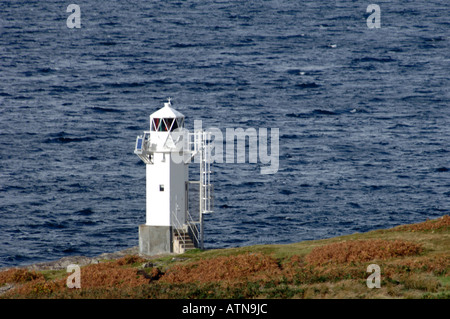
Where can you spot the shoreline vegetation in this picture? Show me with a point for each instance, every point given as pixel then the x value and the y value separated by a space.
pixel 414 262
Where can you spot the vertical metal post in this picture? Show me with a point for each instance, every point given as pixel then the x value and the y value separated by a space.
pixel 201 148
pixel 201 230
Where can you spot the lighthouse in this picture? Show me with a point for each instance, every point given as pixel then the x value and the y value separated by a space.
pixel 167 149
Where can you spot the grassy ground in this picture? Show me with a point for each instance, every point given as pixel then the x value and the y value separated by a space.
pixel 414 262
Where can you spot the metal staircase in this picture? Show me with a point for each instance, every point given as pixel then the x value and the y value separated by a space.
pixel 185 236
pixel 182 241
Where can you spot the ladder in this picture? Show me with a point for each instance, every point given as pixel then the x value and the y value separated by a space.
pixel 205 175
pixel 200 143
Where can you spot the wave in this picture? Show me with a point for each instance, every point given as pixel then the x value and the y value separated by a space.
pixel 372 59
pixel 64 140
pixel 324 112
pixel 308 85
pixel 315 112
pixel 63 137
pixel 99 109
pixel 126 84
pixel 85 212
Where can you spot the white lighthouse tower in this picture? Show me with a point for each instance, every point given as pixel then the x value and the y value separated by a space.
pixel 167 149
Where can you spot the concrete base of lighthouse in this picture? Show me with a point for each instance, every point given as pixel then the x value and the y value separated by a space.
pixel 155 240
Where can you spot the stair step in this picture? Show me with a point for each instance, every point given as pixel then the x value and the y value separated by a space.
pixel 184 240
pixel 183 237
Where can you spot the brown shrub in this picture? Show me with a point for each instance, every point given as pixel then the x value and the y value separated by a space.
pixel 110 274
pixel 441 223
pixel 438 264
pixel 292 266
pixel 129 260
pixel 105 275
pixel 37 288
pixel 295 270
pixel 17 275
pixel 231 268
pixel 361 251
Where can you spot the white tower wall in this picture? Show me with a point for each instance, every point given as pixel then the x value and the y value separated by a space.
pixel 179 176
pixel 165 190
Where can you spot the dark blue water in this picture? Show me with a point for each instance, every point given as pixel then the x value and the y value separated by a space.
pixel 363 114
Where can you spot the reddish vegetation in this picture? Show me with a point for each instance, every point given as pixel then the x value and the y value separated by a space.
pixel 361 251
pixel 16 275
pixel 129 260
pixel 116 274
pixel 441 223
pixel 232 268
pixel 109 275
pixel 438 264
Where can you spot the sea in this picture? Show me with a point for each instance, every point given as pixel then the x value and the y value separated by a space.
pixel 363 113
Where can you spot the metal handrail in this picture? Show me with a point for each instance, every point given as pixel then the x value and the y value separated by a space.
pixel 177 228
pixel 191 223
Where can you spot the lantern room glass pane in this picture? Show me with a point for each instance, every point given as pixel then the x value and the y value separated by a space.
pixel 156 125
pixel 168 122
pixel 175 125
pixel 163 125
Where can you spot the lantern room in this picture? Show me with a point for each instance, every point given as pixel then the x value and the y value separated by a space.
pixel 166 119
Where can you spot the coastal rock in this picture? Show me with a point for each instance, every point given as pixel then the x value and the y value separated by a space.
pixel 63 263
pixel 119 254
pixel 78 260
